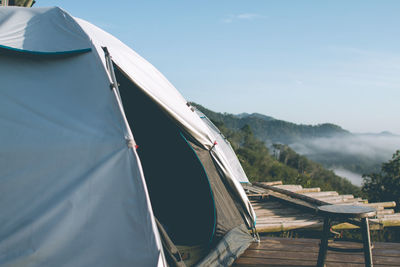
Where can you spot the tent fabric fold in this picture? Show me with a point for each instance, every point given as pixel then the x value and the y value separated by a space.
pixel 68 181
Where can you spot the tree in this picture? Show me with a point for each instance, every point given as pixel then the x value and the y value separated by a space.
pixel 385 185
pixel 24 3
pixel 285 164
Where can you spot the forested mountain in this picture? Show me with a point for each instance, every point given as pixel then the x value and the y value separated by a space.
pixel 328 144
pixel 254 115
pixel 271 130
pixel 283 164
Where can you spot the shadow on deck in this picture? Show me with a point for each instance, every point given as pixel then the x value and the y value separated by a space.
pixel 273 251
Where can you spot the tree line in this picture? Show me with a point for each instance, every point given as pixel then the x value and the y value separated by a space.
pixel 282 164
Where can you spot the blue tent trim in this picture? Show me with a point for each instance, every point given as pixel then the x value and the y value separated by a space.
pixel 42 53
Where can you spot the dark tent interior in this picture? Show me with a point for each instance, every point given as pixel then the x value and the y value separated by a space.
pixel 179 189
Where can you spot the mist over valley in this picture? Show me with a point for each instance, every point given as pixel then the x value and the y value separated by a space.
pixel 349 155
pixel 352 155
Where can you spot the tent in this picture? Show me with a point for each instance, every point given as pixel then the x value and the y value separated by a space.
pixel 227 149
pixel 102 161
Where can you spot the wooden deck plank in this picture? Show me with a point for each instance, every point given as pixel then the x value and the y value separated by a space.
pixel 304 252
pixel 383 252
pixel 349 201
pixel 331 257
pixel 309 189
pixel 290 187
pixel 321 194
pixel 336 198
pixel 286 211
pixel 314 247
pixel 315 242
pixel 279 212
pixel 259 262
pixel 385 212
pixel 272 183
pixel 389 204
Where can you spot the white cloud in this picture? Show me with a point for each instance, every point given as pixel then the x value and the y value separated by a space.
pixel 249 16
pixel 243 16
pixel 299 82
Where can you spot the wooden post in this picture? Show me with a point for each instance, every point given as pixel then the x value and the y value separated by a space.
pixel 323 246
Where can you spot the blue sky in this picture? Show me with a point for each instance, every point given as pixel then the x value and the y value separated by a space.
pixel 306 62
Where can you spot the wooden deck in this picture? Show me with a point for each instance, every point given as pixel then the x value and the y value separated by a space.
pixel 278 210
pixel 304 252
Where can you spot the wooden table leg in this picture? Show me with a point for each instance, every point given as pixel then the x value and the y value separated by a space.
pixel 323 247
pixel 367 242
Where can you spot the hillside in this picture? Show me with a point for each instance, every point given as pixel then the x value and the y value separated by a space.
pixel 272 130
pixel 328 144
pixel 285 164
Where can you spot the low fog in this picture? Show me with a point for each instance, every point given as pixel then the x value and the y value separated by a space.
pixel 350 156
pixel 353 177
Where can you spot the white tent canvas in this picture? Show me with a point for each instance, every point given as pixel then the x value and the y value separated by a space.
pixel 72 187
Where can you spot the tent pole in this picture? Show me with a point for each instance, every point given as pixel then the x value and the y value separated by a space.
pixel 114 87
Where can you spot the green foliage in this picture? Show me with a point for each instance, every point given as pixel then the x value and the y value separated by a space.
pixel 385 185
